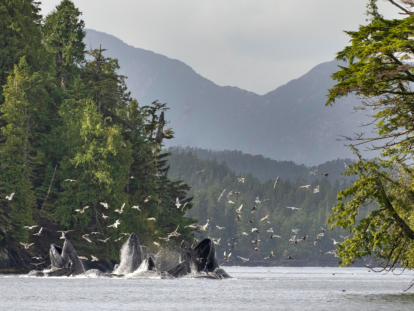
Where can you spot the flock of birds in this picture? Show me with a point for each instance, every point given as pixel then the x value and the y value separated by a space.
pixel 231 242
pixel 294 239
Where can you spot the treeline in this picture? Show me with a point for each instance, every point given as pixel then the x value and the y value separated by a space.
pixel 268 169
pixel 71 137
pixel 209 178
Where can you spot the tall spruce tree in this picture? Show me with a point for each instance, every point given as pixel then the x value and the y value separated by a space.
pixel 25 115
pixel 63 36
pixel 20 35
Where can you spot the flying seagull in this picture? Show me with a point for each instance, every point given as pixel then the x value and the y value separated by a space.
pixel 254 209
pixel 272 236
pixel 120 211
pixel 136 207
pixel 106 240
pixel 116 224
pixel 239 209
pixel 264 218
pixel 104 216
pixel 270 256
pixel 313 172
pixel 40 231
pixel 94 258
pixel 293 208
pixel 306 186
pixel 240 180
pixel 71 180
pixel 64 234
pixel 81 210
pixel 177 203
pixel 216 241
pixel 226 258
pixel 104 204
pixel 30 228
pixel 334 242
pixel 10 197
pixel 86 237
pixel 218 227
pixel 26 245
pixel 151 219
pixel 221 195
pixel 244 259
pixel 274 187
pixel 318 238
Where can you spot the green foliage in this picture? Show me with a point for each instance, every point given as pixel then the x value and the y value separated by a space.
pixel 379 71
pixel 24 114
pixel 20 35
pixel 63 37
pixel 75 120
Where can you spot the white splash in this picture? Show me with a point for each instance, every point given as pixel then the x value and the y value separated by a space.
pixel 126 260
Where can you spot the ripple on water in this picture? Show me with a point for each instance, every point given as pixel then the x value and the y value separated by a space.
pixel 251 289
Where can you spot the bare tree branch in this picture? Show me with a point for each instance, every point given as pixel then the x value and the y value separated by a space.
pixel 401 8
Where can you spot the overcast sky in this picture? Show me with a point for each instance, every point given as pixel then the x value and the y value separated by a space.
pixel 256 45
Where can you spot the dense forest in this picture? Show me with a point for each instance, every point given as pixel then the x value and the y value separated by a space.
pixel 76 151
pixel 210 178
pixel 268 169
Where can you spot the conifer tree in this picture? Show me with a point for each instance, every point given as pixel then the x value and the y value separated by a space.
pixel 63 36
pixel 20 35
pixel 19 154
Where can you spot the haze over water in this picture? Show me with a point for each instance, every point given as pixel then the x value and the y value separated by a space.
pixel 284 288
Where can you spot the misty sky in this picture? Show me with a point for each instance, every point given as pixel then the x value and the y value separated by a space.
pixel 256 45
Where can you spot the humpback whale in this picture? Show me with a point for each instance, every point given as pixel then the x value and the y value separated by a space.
pixel 63 262
pixel 70 258
pixel 206 255
pixel 180 270
pixel 55 254
pixel 202 257
pixel 198 262
pixel 130 256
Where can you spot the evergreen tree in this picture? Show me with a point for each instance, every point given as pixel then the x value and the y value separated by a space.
pixel 20 35
pixel 19 154
pixel 379 71
pixel 63 36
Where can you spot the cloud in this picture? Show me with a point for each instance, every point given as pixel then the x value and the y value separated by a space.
pixel 256 45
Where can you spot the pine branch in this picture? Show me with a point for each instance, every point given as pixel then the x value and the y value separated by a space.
pixel 400 222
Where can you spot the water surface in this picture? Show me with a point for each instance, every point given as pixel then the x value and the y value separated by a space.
pixel 278 288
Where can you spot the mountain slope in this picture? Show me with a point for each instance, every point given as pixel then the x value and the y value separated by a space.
pixel 289 123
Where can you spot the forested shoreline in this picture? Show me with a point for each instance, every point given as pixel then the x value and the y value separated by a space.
pixel 208 179
pixel 72 139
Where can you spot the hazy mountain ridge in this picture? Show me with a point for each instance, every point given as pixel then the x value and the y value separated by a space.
pixel 289 123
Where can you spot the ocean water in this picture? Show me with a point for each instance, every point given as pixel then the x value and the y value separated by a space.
pixel 278 288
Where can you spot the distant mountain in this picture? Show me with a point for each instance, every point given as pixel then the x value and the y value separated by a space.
pixel 289 123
